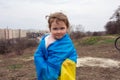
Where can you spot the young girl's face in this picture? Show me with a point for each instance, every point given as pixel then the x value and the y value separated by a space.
pixel 58 29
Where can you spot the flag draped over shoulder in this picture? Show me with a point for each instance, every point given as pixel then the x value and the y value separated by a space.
pixel 57 61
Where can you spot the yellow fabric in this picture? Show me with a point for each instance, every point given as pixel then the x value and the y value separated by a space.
pixel 68 70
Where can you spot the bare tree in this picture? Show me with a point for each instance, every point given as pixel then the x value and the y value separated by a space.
pixel 116 14
pixel 113 26
pixel 77 32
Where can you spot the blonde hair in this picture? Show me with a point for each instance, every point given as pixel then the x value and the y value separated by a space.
pixel 57 16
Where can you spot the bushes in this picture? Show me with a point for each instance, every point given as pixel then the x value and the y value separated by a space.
pixel 16 45
pixel 3 47
pixel 77 35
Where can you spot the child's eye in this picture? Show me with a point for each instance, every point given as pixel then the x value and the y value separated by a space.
pixel 62 28
pixel 55 28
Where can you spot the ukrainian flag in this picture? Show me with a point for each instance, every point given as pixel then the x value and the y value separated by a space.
pixel 58 61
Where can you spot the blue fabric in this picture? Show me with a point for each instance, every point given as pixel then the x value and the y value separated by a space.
pixel 48 61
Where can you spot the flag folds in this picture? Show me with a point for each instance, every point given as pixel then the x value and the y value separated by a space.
pixel 57 61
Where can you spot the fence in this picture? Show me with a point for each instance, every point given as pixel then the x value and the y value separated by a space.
pixel 6 34
pixel 12 34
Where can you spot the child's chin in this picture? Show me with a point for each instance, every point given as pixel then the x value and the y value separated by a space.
pixel 58 37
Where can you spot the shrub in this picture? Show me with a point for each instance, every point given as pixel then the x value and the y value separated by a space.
pixel 16 45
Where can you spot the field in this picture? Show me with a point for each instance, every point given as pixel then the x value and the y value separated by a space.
pixel 98 60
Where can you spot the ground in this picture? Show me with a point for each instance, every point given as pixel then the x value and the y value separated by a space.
pixel 21 67
pixel 96 72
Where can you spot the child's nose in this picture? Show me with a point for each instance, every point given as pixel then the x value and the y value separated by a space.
pixel 59 31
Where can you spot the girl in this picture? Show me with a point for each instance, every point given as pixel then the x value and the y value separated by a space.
pixel 55 57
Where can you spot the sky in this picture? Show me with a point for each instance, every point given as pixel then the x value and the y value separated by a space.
pixel 30 14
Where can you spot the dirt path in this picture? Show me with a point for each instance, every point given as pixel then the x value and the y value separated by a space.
pixel 88 61
pixel 99 62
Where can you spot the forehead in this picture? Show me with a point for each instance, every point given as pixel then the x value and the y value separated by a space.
pixel 58 23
